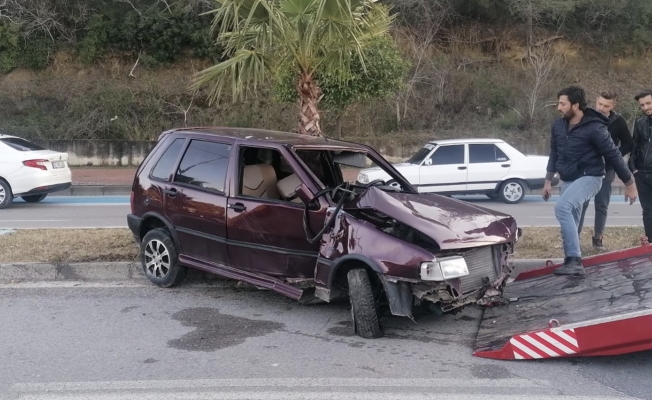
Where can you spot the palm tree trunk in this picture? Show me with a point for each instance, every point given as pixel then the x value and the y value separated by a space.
pixel 309 96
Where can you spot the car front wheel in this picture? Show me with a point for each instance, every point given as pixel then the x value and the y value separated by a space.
pixel 35 198
pixel 6 196
pixel 512 191
pixel 160 259
pixel 363 304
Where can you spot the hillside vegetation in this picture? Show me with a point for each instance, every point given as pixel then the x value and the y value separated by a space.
pixel 121 69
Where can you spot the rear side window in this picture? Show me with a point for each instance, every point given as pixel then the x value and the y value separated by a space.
pixel 485 153
pixel 166 162
pixel 21 144
pixel 204 165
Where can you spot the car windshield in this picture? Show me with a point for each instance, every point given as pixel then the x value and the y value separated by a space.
pixel 332 167
pixel 419 156
pixel 20 144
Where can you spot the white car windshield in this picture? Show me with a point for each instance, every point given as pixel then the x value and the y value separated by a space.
pixel 419 156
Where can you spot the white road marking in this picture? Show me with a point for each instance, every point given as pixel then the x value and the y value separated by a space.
pixel 278 383
pixel 287 395
pixel 71 284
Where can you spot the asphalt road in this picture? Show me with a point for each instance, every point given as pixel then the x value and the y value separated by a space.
pixel 110 211
pixel 71 340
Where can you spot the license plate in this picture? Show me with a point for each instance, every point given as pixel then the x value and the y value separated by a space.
pixel 59 164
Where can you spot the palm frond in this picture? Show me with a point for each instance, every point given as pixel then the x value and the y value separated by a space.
pixel 246 68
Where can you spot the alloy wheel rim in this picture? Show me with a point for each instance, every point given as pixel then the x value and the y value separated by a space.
pixel 513 191
pixel 157 259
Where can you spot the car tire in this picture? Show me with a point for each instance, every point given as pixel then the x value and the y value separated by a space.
pixel 6 195
pixel 512 191
pixel 160 259
pixel 363 305
pixel 35 198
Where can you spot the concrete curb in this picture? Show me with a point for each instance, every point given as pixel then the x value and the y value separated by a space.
pixel 124 271
pixel 84 272
pixel 95 190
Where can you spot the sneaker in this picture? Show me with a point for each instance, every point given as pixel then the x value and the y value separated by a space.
pixel 572 266
pixel 597 244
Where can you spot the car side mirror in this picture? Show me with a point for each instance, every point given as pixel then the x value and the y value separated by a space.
pixel 304 194
pixel 428 161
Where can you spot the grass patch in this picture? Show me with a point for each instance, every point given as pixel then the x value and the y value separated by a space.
pixel 68 246
pixel 545 242
pixel 88 245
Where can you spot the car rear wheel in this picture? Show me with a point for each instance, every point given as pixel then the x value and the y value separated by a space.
pixel 512 191
pixel 160 259
pixel 6 196
pixel 35 198
pixel 363 305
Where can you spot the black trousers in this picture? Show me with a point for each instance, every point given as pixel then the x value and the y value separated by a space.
pixel 601 201
pixel 644 186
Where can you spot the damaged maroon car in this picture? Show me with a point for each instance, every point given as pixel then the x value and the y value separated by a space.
pixel 283 212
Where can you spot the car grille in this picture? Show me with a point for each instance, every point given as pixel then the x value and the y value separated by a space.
pixel 481 264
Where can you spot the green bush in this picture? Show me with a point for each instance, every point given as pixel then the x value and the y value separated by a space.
pixel 9 46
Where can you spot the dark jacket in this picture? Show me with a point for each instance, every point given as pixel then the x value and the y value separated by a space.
pixel 641 158
pixel 620 134
pixel 580 151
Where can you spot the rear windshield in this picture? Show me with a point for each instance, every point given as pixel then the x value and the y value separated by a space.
pixel 20 144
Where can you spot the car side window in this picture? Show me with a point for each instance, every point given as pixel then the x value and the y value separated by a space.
pixel 486 153
pixel 204 165
pixel 265 173
pixel 164 165
pixel 448 155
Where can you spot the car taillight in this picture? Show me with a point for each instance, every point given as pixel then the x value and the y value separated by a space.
pixel 40 164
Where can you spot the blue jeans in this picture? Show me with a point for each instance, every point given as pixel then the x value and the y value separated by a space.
pixel 568 210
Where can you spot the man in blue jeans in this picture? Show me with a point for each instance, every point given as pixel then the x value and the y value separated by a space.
pixel 579 146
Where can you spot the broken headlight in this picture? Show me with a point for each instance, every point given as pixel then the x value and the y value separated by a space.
pixel 441 269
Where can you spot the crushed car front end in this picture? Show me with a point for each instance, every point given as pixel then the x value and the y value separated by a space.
pixel 426 250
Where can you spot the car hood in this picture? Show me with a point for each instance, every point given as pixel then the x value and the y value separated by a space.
pixel 453 224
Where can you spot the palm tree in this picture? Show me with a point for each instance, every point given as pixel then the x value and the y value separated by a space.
pixel 262 37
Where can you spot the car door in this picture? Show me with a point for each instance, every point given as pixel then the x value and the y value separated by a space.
pixel 488 165
pixel 195 200
pixel 445 171
pixel 265 222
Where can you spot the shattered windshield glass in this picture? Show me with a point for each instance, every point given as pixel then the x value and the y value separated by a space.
pixel 419 156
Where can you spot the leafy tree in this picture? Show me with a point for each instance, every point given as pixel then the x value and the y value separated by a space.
pixel 381 76
pixel 311 38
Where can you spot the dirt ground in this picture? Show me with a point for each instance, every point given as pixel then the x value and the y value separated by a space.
pixel 86 245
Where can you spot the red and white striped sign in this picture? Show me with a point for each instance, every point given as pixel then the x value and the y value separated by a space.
pixel 551 343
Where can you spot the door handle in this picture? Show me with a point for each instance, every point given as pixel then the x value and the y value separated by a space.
pixel 171 192
pixel 461 168
pixel 506 165
pixel 237 207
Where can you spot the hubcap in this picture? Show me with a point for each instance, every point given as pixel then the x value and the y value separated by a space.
pixel 513 191
pixel 3 195
pixel 157 259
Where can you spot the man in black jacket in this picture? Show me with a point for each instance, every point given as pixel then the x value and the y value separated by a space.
pixel 579 140
pixel 640 161
pixel 621 137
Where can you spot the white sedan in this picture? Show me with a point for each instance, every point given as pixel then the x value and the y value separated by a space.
pixel 474 166
pixel 29 171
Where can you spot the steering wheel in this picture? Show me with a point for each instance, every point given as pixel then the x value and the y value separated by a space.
pixel 375 182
